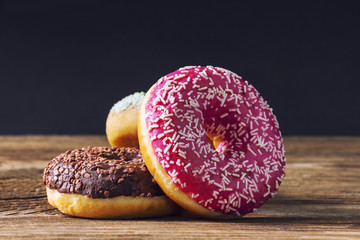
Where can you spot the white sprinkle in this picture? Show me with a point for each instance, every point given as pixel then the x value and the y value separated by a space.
pixel 169 131
pixel 250 150
pixel 172 99
pixel 236 175
pixel 174 173
pixel 202 169
pixel 164 94
pixel 211 82
pixel 182 154
pixel 218 185
pixel 228 78
pixel 151 127
pixel 164 164
pixel 197 154
pixel 165 140
pixel 194 195
pixel 168 123
pixel 167 148
pixel 179 76
pixel 160 135
pixel 267 193
pixel 242 176
pixel 175 147
pixel 251 193
pixel 215 193
pixel 223 101
pixel 267 179
pixel 224 115
pixel 243 196
pixel 186 67
pixel 187 165
pixel 227 165
pixel 161 99
pixel 166 116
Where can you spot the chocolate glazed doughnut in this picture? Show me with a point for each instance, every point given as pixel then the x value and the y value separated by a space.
pixel 103 182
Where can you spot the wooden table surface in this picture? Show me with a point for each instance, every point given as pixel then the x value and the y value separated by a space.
pixel 319 198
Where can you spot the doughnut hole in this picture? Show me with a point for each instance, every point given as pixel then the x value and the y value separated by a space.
pixel 216 142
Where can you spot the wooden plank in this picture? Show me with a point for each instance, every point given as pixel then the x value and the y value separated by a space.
pixel 320 197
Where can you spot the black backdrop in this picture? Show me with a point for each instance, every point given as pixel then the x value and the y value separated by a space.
pixel 63 64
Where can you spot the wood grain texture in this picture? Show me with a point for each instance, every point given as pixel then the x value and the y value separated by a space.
pixel 319 198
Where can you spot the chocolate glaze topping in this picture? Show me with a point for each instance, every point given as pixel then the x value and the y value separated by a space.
pixel 101 172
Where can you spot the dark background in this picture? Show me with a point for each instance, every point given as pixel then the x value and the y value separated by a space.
pixel 63 64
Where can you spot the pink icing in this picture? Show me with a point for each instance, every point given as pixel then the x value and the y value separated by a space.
pixel 247 167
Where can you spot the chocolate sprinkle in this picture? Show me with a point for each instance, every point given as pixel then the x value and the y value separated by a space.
pixel 101 172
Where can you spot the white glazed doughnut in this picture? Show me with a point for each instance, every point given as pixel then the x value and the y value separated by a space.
pixel 121 123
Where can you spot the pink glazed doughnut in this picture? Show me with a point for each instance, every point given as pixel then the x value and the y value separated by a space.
pixel 211 142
